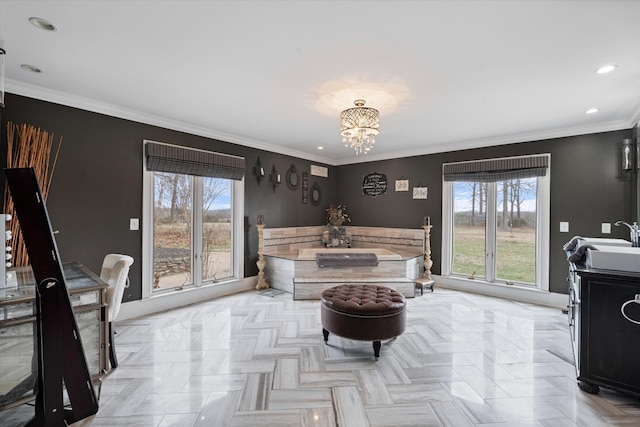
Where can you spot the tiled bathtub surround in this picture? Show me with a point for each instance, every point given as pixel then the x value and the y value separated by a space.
pixel 289 239
pixel 392 238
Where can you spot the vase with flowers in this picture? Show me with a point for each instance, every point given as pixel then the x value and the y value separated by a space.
pixel 336 216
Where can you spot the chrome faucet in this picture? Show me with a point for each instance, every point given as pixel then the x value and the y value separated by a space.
pixel 633 231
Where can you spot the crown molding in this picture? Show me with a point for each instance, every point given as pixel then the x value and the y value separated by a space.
pixel 490 142
pixel 56 97
pixel 61 98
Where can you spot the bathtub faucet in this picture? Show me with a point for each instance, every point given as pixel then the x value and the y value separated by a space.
pixel 634 232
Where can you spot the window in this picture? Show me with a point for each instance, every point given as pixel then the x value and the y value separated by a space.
pixel 191 230
pixel 496 214
pixel 194 218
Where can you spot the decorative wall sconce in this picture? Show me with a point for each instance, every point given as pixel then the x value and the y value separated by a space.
pixel 258 171
pixel 274 177
pixel 630 155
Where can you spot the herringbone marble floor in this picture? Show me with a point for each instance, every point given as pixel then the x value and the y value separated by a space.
pixel 251 360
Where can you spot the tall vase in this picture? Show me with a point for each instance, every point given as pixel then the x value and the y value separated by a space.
pixel 335 236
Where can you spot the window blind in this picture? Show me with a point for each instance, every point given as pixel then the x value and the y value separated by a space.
pixel 496 169
pixel 190 161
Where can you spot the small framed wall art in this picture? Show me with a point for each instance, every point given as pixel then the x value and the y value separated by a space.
pixel 402 185
pixel 420 192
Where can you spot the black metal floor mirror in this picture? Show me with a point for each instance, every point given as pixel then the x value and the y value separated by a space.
pixel 61 358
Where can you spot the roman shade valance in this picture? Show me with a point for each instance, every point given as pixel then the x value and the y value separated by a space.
pixel 497 169
pixel 190 161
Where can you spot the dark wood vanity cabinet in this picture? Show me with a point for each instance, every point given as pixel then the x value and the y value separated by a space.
pixel 604 317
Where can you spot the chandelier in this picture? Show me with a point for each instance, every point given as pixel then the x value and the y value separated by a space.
pixel 359 127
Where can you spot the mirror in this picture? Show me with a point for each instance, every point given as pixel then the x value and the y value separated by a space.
pixel 315 194
pixel 293 181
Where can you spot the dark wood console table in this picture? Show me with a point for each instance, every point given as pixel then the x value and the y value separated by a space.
pixel 18 366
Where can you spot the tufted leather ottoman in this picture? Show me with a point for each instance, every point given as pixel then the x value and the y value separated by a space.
pixel 363 312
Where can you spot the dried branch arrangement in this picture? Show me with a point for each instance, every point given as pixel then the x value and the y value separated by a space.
pixel 28 146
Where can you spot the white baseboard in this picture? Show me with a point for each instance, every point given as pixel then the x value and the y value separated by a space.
pixel 169 300
pixel 174 299
pixel 516 293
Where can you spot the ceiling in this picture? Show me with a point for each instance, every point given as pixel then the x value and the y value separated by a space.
pixel 445 75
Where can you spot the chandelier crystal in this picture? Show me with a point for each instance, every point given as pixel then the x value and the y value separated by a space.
pixel 359 127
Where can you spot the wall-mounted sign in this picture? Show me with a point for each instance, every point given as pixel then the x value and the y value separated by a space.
pixel 420 192
pixel 402 185
pixel 374 184
pixel 319 171
pixel 305 187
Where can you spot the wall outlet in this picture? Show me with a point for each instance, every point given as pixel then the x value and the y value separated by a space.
pixel 606 228
pixel 564 227
pixel 134 224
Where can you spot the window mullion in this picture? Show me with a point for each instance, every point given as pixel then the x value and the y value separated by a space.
pixel 196 228
pixel 490 232
pixel 447 224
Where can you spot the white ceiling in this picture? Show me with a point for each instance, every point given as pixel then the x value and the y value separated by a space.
pixel 445 75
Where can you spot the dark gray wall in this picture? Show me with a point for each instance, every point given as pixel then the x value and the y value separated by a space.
pixel 97 186
pixel 587 189
pixel 97 183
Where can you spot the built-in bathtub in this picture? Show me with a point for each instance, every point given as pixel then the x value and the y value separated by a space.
pixel 300 274
pixel 291 266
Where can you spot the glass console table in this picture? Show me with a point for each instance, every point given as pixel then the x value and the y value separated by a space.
pixel 18 364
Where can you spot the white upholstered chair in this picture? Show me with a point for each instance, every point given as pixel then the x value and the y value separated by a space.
pixel 115 271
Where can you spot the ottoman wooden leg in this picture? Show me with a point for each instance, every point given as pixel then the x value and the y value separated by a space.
pixel 326 334
pixel 376 349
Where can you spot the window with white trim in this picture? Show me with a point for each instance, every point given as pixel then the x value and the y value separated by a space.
pixel 496 216
pixel 193 208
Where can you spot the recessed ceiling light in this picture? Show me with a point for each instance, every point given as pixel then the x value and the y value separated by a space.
pixel 31 68
pixel 605 69
pixel 592 110
pixel 43 24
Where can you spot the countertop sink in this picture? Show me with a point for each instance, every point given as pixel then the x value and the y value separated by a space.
pixel 614 258
pixel 598 241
